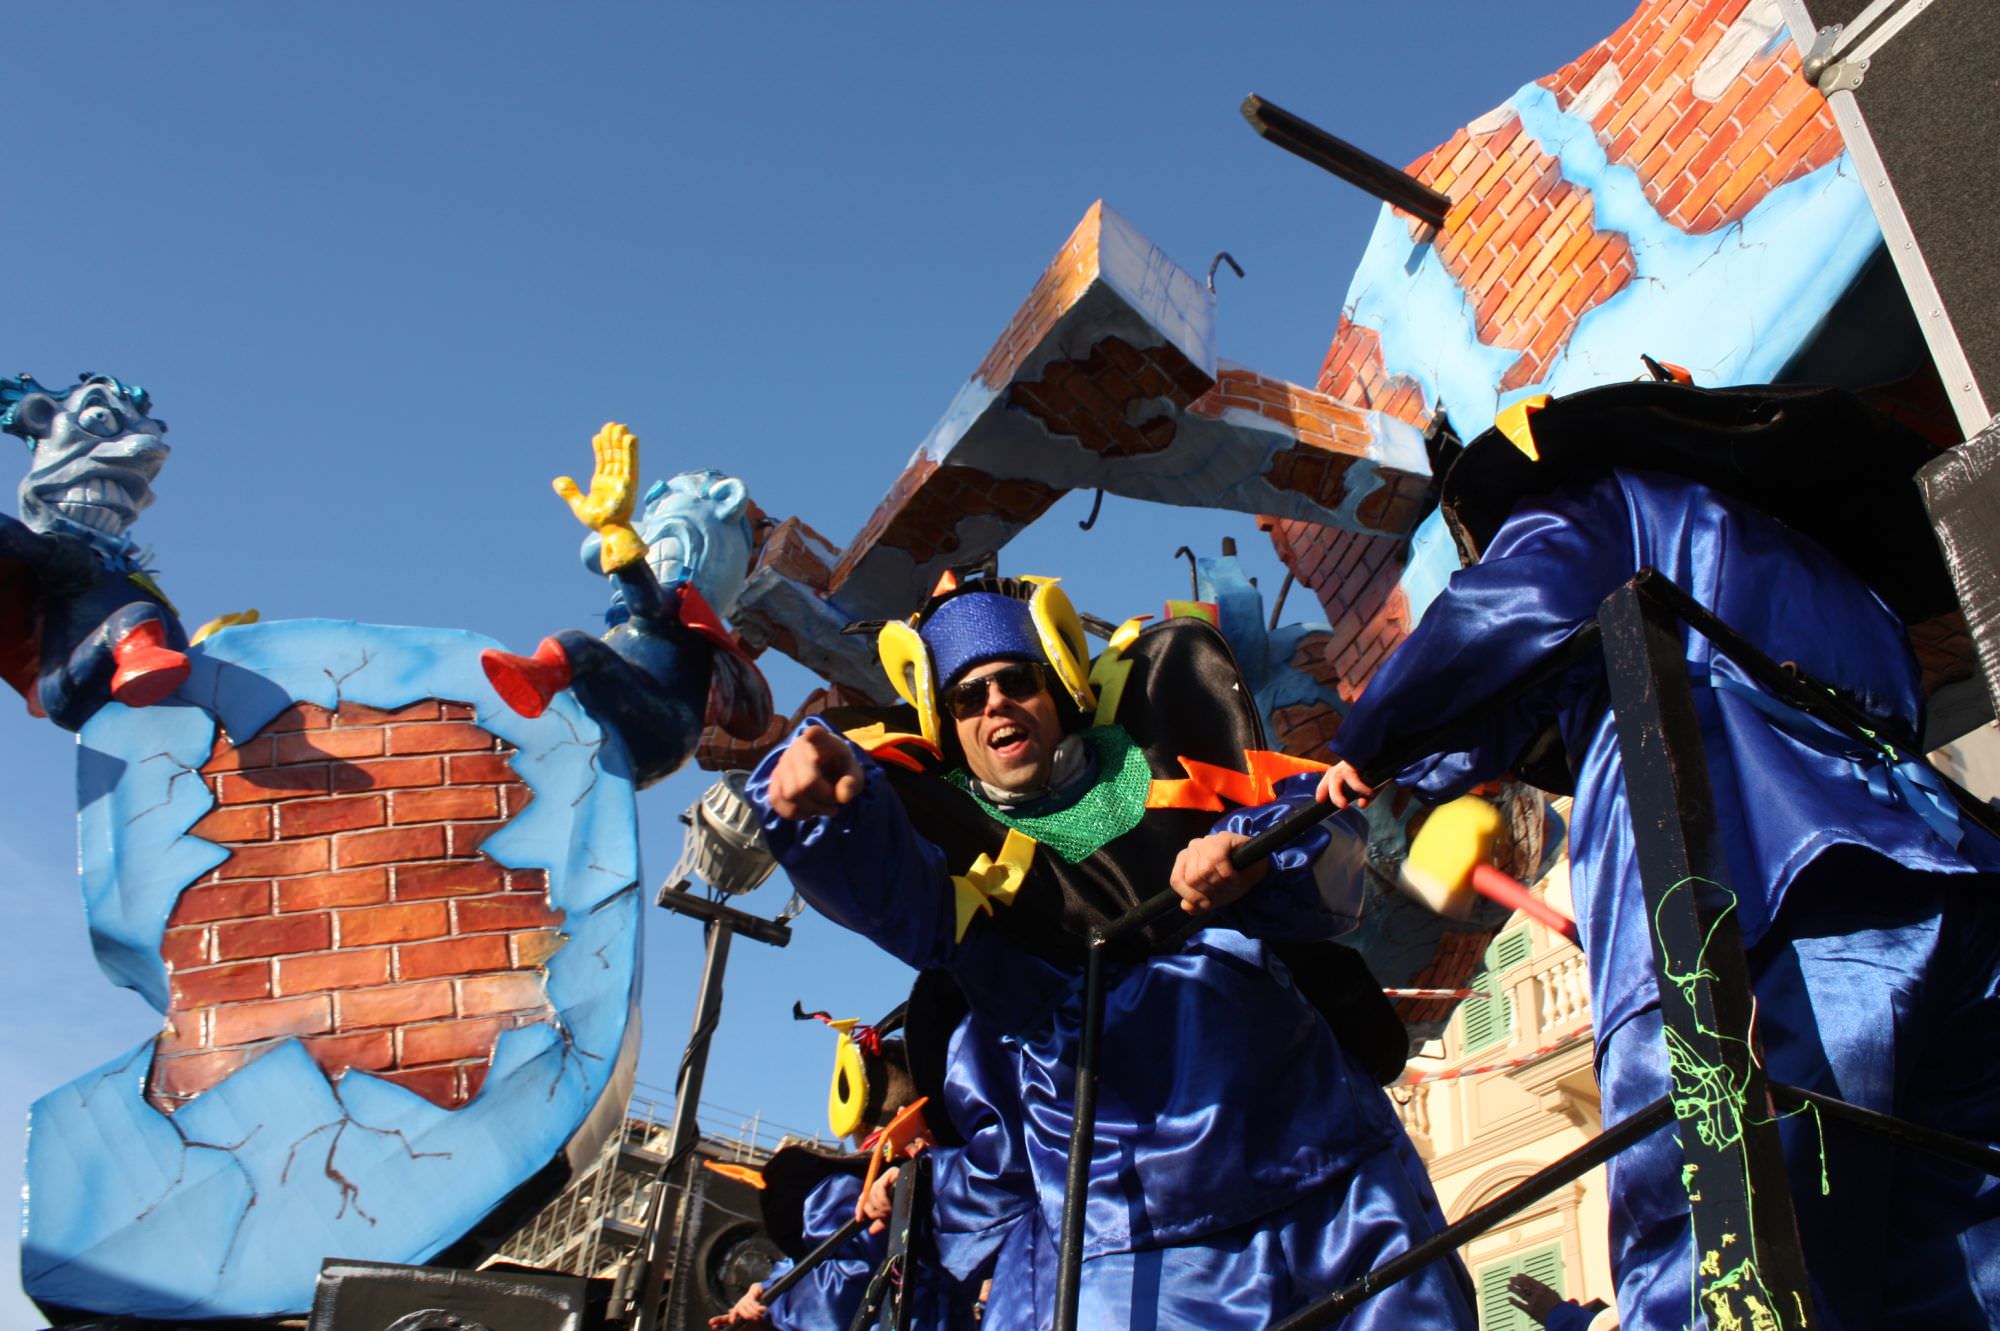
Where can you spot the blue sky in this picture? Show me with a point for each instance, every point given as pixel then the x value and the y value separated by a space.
pixel 385 267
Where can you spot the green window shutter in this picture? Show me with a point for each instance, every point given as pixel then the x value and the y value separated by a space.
pixel 1489 1019
pixel 1509 950
pixel 1496 1311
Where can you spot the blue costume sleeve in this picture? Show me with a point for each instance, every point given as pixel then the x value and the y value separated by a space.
pixel 1314 888
pixel 831 1291
pixel 1540 580
pixel 864 867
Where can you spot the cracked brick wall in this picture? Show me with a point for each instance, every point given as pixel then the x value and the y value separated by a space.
pixel 1329 435
pixel 356 912
pixel 1703 100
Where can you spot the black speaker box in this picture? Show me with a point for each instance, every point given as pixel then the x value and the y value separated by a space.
pixel 380 1296
pixel 722 1251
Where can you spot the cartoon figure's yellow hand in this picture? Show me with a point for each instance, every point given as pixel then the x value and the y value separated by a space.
pixel 607 509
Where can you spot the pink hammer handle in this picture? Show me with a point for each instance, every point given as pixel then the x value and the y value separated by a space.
pixel 1511 893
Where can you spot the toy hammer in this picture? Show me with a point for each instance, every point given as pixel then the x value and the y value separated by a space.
pixel 1451 858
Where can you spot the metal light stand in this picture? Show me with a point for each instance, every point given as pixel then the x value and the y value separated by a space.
pixel 720 923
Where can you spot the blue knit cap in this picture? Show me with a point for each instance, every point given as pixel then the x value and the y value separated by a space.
pixel 973 628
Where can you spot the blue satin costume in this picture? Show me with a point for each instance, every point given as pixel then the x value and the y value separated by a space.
pixel 826 1299
pixel 1243 1164
pixel 1871 928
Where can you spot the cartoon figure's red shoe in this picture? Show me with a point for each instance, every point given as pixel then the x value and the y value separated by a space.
pixel 527 683
pixel 148 670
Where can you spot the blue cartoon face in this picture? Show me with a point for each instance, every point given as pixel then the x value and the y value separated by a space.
pixel 697 529
pixel 97 449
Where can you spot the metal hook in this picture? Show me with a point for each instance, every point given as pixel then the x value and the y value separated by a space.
pixel 1194 573
pixel 1221 257
pixel 1095 504
pixel 1278 608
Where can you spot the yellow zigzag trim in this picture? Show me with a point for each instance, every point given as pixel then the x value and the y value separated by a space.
pixel 991 881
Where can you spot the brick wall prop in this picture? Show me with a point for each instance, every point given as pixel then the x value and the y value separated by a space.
pixel 392 929
pixel 1107 376
pixel 1677 190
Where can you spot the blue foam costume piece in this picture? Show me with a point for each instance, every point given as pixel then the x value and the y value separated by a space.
pixel 1806 822
pixel 976 627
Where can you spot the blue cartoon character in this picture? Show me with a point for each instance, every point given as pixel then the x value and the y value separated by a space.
pixel 81 620
pixel 667 666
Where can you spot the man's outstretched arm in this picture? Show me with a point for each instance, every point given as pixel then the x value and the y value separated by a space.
pixel 1309 889
pixel 1541 579
pixel 830 818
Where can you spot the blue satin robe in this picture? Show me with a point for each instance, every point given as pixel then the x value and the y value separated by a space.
pixel 826 1299
pixel 1243 1164
pixel 1795 808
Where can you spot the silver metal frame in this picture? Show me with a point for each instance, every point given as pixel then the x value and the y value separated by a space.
pixel 1837 59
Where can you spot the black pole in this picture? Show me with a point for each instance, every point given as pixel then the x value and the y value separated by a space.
pixel 1962 1150
pixel 1083 1125
pixel 1477 1221
pixel 806 1263
pixel 686 1134
pixel 1740 1203
pixel 1364 170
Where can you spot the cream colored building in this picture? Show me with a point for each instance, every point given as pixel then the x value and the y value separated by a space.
pixel 1483 1132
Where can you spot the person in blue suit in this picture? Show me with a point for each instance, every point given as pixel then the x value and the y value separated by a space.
pixel 1864 896
pixel 886 1078
pixel 1244 1162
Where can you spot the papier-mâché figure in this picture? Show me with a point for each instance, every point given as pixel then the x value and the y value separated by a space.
pixel 81 620
pixel 666 666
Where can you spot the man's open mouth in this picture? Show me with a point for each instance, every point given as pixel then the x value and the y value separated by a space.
pixel 1007 741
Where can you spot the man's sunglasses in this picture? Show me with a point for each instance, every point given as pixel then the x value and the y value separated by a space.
pixel 1020 681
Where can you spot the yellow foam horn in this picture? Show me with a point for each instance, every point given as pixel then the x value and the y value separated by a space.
pixel 847 1097
pixel 907 662
pixel 1513 422
pixel 1063 641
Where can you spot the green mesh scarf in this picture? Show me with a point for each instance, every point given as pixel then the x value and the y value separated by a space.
pixel 1108 808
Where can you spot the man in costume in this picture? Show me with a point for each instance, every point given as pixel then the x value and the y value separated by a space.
pixel 1244 1162
pixel 1871 929
pixel 886 1089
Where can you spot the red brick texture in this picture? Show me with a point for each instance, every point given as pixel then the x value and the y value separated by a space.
pixel 1086 398
pixel 1355 578
pixel 923 509
pixel 1066 278
pixel 1523 242
pixel 1704 164
pixel 355 911
pixel 1524 245
pixel 1352 372
pixel 1330 435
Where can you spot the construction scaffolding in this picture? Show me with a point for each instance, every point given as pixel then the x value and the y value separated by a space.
pixel 599 1221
